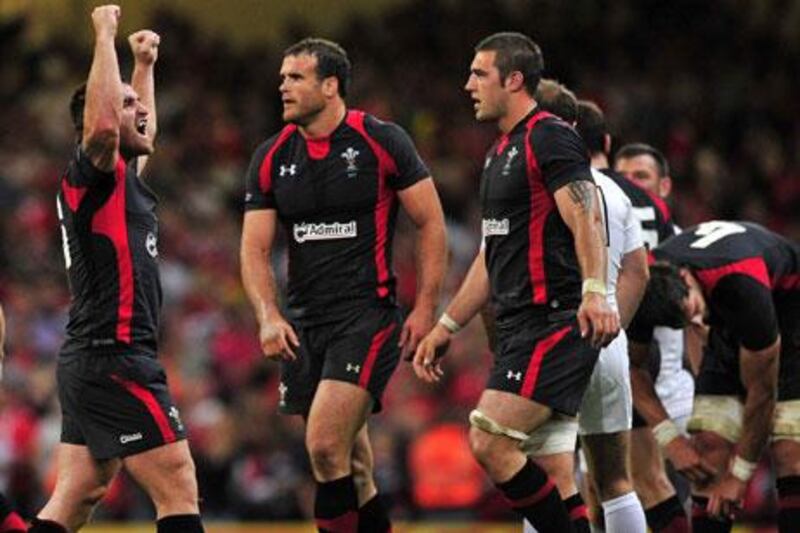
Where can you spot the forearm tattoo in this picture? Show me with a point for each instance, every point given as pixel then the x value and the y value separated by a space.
pixel 582 194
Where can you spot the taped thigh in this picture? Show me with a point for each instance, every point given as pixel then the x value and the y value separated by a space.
pixel 719 414
pixel 557 435
pixel 787 421
pixel 484 423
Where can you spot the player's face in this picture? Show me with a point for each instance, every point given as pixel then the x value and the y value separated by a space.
pixel 133 138
pixel 694 305
pixel 643 170
pixel 301 89
pixel 486 88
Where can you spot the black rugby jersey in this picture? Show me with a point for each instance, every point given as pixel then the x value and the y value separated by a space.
pixel 336 200
pixel 110 235
pixel 651 211
pixel 748 274
pixel 530 251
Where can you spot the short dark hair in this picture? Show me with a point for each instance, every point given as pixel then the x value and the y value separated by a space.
pixel 636 149
pixel 662 304
pixel 592 126
pixel 332 59
pixel 76 106
pixel 515 52
pixel 555 98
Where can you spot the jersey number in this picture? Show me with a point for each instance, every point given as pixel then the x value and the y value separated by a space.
pixel 64 240
pixel 711 232
pixel 647 214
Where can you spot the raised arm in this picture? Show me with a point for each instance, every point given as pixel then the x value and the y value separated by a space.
pixel 258 235
pixel 422 204
pixel 103 109
pixel 144 45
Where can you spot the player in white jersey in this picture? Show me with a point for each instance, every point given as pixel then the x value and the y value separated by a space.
pixel 604 420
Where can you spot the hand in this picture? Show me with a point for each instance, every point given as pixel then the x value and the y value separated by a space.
pixel 277 338
pixel 727 497
pixel 106 20
pixel 429 352
pixel 416 326
pixel 596 317
pixel 144 45
pixel 686 460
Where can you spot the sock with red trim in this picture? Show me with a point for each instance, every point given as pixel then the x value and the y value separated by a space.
pixel 10 521
pixel 373 517
pixel 180 523
pixel 534 496
pixel 668 516
pixel 578 513
pixel 705 523
pixel 336 506
pixel 46 526
pixel 788 503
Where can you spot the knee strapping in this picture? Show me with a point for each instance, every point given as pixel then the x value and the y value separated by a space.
pixel 557 435
pixel 484 423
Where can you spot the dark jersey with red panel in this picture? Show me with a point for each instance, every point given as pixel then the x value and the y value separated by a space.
pixel 336 200
pixel 749 276
pixel 110 234
pixel 530 251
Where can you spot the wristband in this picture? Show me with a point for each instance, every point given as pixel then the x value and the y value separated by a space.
pixel 665 432
pixel 593 285
pixel 449 324
pixel 742 469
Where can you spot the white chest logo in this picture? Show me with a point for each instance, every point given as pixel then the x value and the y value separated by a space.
pixel 349 156
pixel 151 243
pixel 288 169
pixel 509 159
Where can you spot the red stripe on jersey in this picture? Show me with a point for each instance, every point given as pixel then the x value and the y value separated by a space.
pixel 150 402
pixel 385 200
pixel 375 346
pixel 346 523
pixel 752 266
pixel 318 148
pixel 541 207
pixel 265 171
pixel 72 195
pixel 541 349
pixel 501 145
pixel 579 512
pixel 788 282
pixel 110 221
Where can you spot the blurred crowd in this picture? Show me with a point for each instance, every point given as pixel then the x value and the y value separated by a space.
pixel 710 83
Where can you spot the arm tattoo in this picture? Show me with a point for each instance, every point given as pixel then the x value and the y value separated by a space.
pixel 582 194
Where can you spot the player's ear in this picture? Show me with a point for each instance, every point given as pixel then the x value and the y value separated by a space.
pixel 515 81
pixel 665 186
pixel 330 86
pixel 607 144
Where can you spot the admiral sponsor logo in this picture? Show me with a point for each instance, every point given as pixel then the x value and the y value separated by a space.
pixel 133 437
pixel 325 232
pixel 492 226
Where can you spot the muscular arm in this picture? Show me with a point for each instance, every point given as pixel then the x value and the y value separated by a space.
pixel 144 45
pixel 759 372
pixel 421 202
pixel 631 284
pixel 645 399
pixel 103 109
pixel 577 204
pixel 258 236
pixel 473 293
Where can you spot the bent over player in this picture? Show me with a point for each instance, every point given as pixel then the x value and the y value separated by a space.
pixel 117 411
pixel 334 177
pixel 744 281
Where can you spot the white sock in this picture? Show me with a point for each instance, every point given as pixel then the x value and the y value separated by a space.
pixel 624 515
pixel 527 527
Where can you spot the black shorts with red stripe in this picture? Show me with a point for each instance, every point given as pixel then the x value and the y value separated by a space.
pixel 359 348
pixel 118 405
pixel 548 363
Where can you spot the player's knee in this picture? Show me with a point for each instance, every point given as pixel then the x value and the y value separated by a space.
pixel 488 448
pixel 328 456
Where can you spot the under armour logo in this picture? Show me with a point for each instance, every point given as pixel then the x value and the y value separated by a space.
pixel 282 388
pixel 510 157
pixel 353 368
pixel 288 169
pixel 350 155
pixel 514 375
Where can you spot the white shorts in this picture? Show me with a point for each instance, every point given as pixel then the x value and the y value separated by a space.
pixel 607 405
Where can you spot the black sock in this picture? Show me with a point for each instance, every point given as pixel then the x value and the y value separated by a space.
pixel 180 523
pixel 788 503
pixel 534 496
pixel 668 516
pixel 10 521
pixel 46 526
pixel 702 522
pixel 336 506
pixel 578 513
pixel 373 517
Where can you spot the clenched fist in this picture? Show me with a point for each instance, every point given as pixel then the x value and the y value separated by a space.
pixel 106 20
pixel 144 44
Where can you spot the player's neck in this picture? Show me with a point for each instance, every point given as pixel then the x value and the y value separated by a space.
pixel 518 108
pixel 599 160
pixel 327 121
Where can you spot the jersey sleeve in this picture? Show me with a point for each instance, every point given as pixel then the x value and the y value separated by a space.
pixel 745 306
pixel 81 172
pixel 560 153
pixel 258 189
pixel 409 167
pixel 632 230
